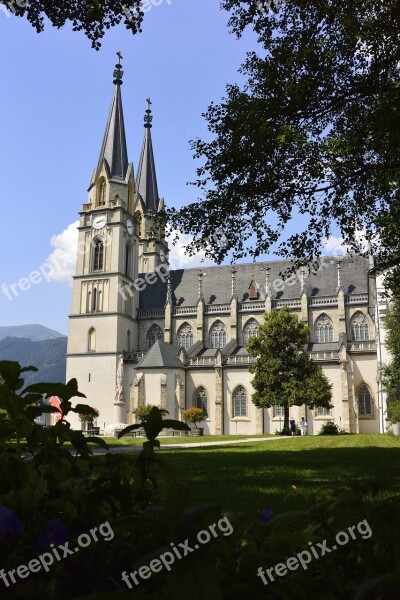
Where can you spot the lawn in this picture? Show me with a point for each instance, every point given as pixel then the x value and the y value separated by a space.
pixel 257 475
pixel 178 439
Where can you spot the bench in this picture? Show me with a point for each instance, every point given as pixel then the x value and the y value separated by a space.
pixel 131 434
pixel 92 432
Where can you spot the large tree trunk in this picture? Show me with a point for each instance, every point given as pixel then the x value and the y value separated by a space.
pixel 286 428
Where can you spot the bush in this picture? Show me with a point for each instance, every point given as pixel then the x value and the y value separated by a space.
pixel 192 415
pixel 330 428
pixel 143 412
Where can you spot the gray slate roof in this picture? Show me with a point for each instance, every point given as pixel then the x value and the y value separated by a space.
pixel 217 284
pixel 161 354
pixel 146 180
pixel 113 149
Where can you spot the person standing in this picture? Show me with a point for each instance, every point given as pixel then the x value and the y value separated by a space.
pixel 292 423
pixel 303 426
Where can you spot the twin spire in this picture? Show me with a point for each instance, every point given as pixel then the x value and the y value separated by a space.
pixel 114 150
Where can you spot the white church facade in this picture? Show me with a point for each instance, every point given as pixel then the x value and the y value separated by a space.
pixel 142 334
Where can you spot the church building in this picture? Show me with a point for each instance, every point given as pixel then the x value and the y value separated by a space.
pixel 141 333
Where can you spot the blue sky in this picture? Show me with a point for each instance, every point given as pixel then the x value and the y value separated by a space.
pixel 54 104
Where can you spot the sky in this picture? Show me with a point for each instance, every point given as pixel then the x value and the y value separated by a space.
pixel 56 94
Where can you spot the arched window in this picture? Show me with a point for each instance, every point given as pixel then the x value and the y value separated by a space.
pixel 359 327
pixel 364 401
pixel 98 254
pixel 92 340
pixel 323 330
pixel 128 341
pixel 127 260
pixel 95 301
pixel 185 336
pixel 201 400
pixel 89 302
pixel 250 330
pixel 102 192
pixel 218 335
pixel 155 333
pixel 240 402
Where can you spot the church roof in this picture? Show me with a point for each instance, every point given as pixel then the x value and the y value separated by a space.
pixel 146 180
pixel 113 149
pixel 161 354
pixel 217 283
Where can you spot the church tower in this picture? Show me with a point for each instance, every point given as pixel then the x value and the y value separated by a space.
pixel 149 207
pixel 102 323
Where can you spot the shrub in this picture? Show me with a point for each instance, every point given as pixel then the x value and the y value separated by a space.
pixel 330 428
pixel 143 412
pixel 192 415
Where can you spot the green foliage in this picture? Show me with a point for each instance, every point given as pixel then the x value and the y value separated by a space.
pixel 192 415
pixel 142 412
pixel 391 372
pixel 88 414
pixel 329 428
pixel 283 371
pixel 313 131
pixel 92 17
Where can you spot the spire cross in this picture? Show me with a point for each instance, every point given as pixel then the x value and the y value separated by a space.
pixel 120 57
pixel 149 103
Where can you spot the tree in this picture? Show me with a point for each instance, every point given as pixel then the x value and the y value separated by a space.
pixel 91 16
pixel 391 372
pixel 314 131
pixel 284 373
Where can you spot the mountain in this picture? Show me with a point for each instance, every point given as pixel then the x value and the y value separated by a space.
pixel 35 333
pixel 48 356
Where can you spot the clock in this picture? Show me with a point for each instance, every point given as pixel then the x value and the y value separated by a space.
pixel 129 226
pixel 99 221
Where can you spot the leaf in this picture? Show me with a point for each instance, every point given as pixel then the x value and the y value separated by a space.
pixel 172 424
pixel 129 429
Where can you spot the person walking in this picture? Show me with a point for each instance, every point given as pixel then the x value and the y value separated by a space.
pixel 292 423
pixel 303 426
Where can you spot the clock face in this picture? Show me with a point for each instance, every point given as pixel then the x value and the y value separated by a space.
pixel 129 226
pixel 162 255
pixel 99 221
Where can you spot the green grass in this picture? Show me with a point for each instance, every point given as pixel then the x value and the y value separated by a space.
pixel 253 476
pixel 178 439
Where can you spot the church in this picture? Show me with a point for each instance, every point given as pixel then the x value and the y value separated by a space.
pixel 143 334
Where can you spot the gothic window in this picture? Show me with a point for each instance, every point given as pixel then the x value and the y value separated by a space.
pixel 155 333
pixel 185 336
pixel 364 401
pixel 128 341
pixel 95 301
pixel 323 330
pixel 92 340
pixel 218 335
pixel 201 400
pixel 127 260
pixel 89 302
pixel 250 330
pixel 322 411
pixel 102 193
pixel 279 410
pixel 359 327
pixel 98 255
pixel 240 402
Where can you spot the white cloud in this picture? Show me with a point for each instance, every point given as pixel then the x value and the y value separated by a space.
pixel 179 259
pixel 336 246
pixel 63 258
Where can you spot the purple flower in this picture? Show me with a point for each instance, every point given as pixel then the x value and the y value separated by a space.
pixel 56 534
pixel 9 523
pixel 266 515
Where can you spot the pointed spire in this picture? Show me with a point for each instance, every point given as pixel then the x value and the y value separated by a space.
pixel 146 182
pixel 113 149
